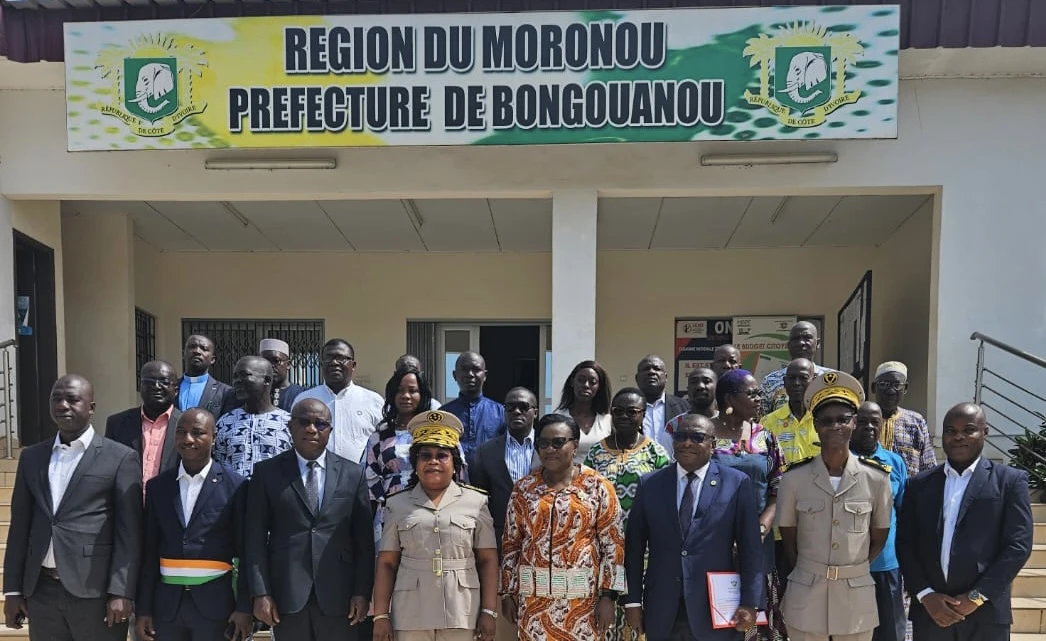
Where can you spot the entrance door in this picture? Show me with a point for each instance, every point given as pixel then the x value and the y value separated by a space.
pixel 37 363
pixel 855 331
pixel 516 355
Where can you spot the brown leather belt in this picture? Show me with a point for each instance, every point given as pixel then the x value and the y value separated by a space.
pixel 50 573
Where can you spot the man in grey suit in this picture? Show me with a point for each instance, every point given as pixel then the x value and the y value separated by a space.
pixel 309 536
pixel 74 542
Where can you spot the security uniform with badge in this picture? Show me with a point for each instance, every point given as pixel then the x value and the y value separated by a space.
pixel 834 513
pixel 442 547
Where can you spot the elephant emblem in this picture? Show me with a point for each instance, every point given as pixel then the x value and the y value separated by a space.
pixel 806 70
pixel 155 82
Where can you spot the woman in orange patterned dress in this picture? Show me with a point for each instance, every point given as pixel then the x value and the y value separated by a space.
pixel 563 547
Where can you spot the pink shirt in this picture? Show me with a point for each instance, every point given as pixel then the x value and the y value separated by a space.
pixel 153 435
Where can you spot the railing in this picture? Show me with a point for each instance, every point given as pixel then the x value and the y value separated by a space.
pixel 1013 404
pixel 8 350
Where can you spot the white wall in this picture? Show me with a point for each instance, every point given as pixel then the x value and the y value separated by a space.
pixel 981 141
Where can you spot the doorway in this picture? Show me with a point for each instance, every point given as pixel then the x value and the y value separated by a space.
pixel 37 336
pixel 516 355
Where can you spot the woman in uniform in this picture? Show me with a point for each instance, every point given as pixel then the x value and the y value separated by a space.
pixel 437 570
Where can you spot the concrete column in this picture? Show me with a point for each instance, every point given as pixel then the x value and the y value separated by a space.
pixel 7 271
pixel 99 307
pixel 573 282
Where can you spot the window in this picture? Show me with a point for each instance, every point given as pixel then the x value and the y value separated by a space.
pixel 144 340
pixel 236 338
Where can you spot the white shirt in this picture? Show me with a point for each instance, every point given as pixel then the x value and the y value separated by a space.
pixel 355 410
pixel 955 485
pixel 64 459
pixel 189 487
pixel 321 472
pixel 601 428
pixel 654 420
pixel 681 482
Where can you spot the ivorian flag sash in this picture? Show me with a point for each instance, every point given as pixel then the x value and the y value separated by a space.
pixel 192 571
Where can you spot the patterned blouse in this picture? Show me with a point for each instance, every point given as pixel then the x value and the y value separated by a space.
pixel 243 439
pixel 761 441
pixel 560 549
pixel 387 464
pixel 624 468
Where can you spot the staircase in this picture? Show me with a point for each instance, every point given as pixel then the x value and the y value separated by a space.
pixel 8 467
pixel 1029 589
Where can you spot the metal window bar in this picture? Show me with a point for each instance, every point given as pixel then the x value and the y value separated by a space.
pixel 8 358
pixel 236 338
pixel 144 341
pixel 1000 397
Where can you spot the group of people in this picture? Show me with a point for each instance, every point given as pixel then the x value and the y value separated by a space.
pixel 339 513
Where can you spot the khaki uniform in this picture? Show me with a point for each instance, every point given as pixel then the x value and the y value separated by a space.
pixel 437 584
pixel 830 591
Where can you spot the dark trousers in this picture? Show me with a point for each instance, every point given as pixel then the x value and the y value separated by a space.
pixel 57 615
pixel 311 624
pixel 924 629
pixel 784 568
pixel 681 627
pixel 189 624
pixel 889 598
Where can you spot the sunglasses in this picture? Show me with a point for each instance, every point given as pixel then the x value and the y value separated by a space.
pixel 554 443
pixel 831 421
pixel 440 455
pixel 522 407
pixel 693 437
pixel 320 424
pixel 629 412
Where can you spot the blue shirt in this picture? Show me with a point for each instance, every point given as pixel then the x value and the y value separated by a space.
pixel 191 391
pixel 887 559
pixel 519 457
pixel 483 419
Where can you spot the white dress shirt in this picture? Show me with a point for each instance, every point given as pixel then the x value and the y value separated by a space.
pixel 955 485
pixel 189 487
pixel 321 473
pixel 64 459
pixel 681 481
pixel 356 412
pixel 654 420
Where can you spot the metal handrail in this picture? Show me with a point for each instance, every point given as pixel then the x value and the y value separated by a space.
pixel 1019 353
pixel 7 369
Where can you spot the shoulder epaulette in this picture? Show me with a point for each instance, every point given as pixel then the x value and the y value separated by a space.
pixel 877 464
pixel 395 492
pixel 791 466
pixel 473 488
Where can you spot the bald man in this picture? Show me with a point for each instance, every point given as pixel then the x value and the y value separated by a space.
pixel 257 431
pixel 74 543
pixel 803 342
pixel 964 533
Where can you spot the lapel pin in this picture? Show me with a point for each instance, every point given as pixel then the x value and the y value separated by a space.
pixel 712 483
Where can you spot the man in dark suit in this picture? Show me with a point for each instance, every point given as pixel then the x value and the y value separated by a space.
pixel 149 429
pixel 194 520
pixel 73 546
pixel 688 518
pixel 310 537
pixel 661 405
pixel 499 463
pixel 197 388
pixel 964 533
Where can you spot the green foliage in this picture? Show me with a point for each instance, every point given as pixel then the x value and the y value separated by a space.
pixel 1029 454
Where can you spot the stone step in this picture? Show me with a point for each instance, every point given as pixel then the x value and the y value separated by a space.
pixel 1038 512
pixel 1028 615
pixel 1030 582
pixel 1038 557
pixel 1027 637
pixel 1040 533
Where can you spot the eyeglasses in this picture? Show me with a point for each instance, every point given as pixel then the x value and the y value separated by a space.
pixel 554 443
pixel 630 412
pixel 890 386
pixel 340 360
pixel 523 408
pixel 693 437
pixel 149 381
pixel 428 456
pixel 320 424
pixel 833 421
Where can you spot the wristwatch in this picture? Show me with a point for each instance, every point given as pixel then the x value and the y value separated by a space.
pixel 975 597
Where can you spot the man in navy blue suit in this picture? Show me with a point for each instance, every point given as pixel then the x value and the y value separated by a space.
pixel 964 533
pixel 688 517
pixel 194 516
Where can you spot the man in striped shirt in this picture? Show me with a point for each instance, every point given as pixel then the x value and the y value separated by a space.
pixel 904 431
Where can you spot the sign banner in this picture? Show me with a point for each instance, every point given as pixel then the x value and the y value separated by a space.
pixel 484 79
pixel 762 341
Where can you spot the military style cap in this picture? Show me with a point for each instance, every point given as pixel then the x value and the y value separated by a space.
pixel 834 387
pixel 438 428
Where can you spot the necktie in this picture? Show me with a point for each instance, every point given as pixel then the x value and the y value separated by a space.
pixel 686 506
pixel 312 487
